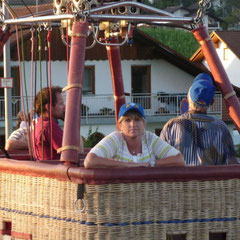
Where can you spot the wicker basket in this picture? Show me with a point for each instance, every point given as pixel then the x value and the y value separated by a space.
pixel 43 208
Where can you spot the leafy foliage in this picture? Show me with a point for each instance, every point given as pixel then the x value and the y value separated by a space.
pixel 180 40
pixel 232 19
pixel 92 139
pixel 232 3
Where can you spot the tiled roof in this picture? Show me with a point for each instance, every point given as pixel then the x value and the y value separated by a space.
pixel 29 2
pixel 21 11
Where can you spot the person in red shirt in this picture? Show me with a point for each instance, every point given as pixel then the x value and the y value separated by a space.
pixel 41 132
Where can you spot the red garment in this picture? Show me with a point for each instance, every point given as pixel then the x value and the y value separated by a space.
pixel 37 139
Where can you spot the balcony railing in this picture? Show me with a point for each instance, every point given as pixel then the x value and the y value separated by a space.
pixel 102 106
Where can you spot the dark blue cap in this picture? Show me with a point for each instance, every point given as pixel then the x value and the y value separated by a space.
pixel 131 106
pixel 202 90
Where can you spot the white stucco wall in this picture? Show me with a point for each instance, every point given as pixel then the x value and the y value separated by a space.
pixel 59 74
pixel 165 77
pixel 169 78
pixel 231 66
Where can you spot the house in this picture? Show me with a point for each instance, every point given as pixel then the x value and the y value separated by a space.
pixel 227 45
pixel 154 75
pixel 178 11
pixel 210 20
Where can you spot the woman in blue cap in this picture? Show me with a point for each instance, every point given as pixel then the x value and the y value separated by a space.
pixel 132 145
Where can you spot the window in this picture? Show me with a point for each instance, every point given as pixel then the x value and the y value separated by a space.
pixel 226 53
pixel 141 79
pixel 89 80
pixel 141 85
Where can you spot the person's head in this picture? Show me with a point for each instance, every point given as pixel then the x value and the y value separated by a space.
pixel 58 106
pixel 21 116
pixel 201 93
pixel 131 120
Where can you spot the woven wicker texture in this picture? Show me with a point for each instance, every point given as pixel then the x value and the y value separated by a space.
pixel 44 208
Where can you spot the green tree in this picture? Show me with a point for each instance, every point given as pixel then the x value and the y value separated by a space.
pixel 232 19
pixel 232 3
pixel 93 138
pixel 230 11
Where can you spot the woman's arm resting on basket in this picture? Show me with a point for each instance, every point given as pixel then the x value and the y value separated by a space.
pixel 176 160
pixel 16 145
pixel 93 161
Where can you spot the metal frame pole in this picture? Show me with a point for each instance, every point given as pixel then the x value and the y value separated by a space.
pixel 7 91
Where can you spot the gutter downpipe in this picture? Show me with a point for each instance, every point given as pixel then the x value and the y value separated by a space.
pixel 114 58
pixel 71 134
pixel 221 79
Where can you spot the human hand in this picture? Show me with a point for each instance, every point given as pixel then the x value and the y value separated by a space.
pixel 133 164
pixel 147 164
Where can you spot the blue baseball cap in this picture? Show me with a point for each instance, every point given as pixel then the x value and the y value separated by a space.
pixel 202 90
pixel 131 106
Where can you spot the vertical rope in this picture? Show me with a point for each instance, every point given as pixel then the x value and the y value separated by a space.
pixel 24 72
pixel 40 81
pixel 35 85
pixel 67 40
pixel 32 112
pixel 47 79
pixel 20 72
pixel 21 88
pixel 35 67
pixel 32 67
pixel 49 38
